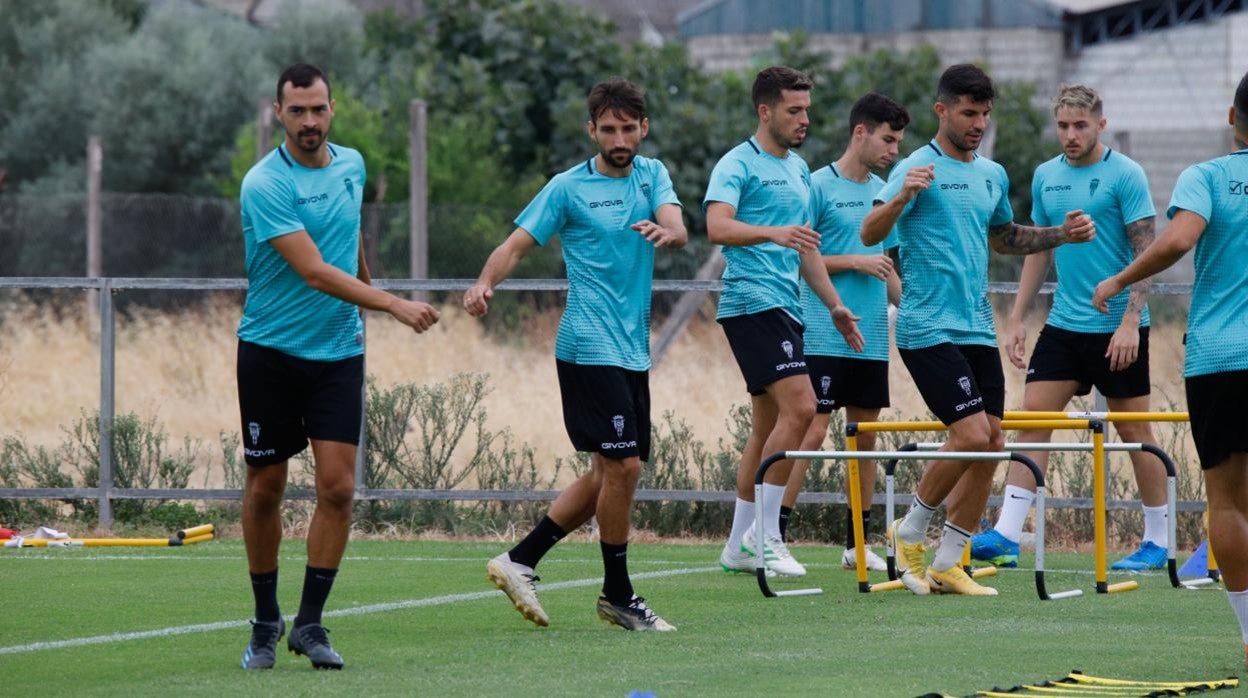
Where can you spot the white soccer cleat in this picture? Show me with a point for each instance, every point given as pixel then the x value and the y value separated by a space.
pixel 776 555
pixel 518 582
pixel 875 563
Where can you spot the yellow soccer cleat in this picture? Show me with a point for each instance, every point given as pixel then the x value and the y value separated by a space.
pixel 911 561
pixel 955 580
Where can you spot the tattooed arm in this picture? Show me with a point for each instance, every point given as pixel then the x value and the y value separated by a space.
pixel 1012 238
pixel 1125 344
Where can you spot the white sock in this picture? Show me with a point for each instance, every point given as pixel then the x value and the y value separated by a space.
pixel 1239 604
pixel 952 542
pixel 773 497
pixel 742 519
pixel 1014 508
pixel 913 528
pixel 1155 525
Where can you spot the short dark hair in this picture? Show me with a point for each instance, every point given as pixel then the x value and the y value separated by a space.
pixel 771 83
pixel 966 80
pixel 302 75
pixel 1241 105
pixel 618 96
pixel 873 109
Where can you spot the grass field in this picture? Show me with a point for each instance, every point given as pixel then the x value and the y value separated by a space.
pixel 418 618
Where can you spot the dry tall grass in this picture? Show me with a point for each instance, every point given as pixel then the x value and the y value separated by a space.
pixel 179 367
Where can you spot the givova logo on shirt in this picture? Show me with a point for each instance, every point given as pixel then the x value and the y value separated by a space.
pixel 850 204
pixel 956 186
pixel 774 182
pixel 314 199
pixel 1057 187
pixel 609 203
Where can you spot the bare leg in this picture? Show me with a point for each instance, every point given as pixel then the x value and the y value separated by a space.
pixel 262 521
pixel 335 488
pixel 1226 487
pixel 615 498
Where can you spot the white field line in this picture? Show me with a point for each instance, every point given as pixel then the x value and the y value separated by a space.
pixel 356 611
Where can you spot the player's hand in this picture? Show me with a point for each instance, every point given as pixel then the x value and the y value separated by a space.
pixel 847 324
pixel 1078 227
pixel 1104 291
pixel 878 265
pixel 657 234
pixel 917 180
pixel 477 299
pixel 416 315
pixel 1124 347
pixel 1016 343
pixel 797 237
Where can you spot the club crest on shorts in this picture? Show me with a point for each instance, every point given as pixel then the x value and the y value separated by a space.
pixel 253 430
pixel 965 384
pixel 1093 185
pixel 618 422
pixel 825 383
pixel 787 346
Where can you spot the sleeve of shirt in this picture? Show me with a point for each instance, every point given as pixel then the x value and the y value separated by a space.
pixel 664 192
pixel 1193 192
pixel 1038 214
pixel 892 187
pixel 727 181
pixel 1004 213
pixel 269 203
pixel 546 214
pixel 818 204
pixel 1133 198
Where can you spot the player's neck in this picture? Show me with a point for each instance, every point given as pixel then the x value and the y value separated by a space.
pixel 850 167
pixel 767 143
pixel 1094 156
pixel 606 169
pixel 948 148
pixel 1241 140
pixel 314 160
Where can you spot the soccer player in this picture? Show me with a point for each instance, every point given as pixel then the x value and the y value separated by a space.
pixel 841 196
pixel 1209 211
pixel 1078 347
pixel 948 205
pixel 612 211
pixel 758 208
pixel 301 353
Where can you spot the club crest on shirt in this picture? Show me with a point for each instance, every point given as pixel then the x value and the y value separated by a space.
pixel 1093 185
pixel 988 183
pixel 350 187
pixel 645 190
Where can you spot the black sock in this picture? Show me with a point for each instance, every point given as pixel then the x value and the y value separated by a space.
pixel 849 525
pixel 540 540
pixel 264 588
pixel 784 521
pixel 616 585
pixel 317 582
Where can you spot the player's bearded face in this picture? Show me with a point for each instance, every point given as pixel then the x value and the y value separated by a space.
pixel 1079 131
pixel 306 113
pixel 618 137
pixel 965 122
pixel 789 118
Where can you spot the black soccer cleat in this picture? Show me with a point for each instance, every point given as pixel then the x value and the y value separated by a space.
pixel 261 652
pixel 312 640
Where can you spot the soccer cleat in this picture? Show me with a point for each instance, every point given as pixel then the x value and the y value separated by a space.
pixel 1149 556
pixel 911 561
pixel 955 580
pixel 635 615
pixel 312 641
pixel 261 652
pixel 776 555
pixel 519 584
pixel 994 548
pixel 874 562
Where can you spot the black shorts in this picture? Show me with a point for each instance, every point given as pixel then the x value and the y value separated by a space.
pixel 768 346
pixel 958 380
pixel 606 409
pixel 285 400
pixel 840 381
pixel 1062 355
pixel 1215 405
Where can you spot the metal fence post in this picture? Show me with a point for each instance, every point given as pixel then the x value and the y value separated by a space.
pixel 107 383
pixel 360 454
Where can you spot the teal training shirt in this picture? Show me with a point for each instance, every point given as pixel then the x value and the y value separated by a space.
pixel 943 235
pixel 1114 192
pixel 769 191
pixel 1217 324
pixel 837 207
pixel 279 197
pixel 610 266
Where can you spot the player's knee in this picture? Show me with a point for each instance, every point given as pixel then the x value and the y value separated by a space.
pixel 971 434
pixel 621 470
pixel 996 441
pixel 800 412
pixel 336 494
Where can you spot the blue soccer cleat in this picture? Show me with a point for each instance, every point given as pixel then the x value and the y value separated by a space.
pixel 1149 556
pixel 994 548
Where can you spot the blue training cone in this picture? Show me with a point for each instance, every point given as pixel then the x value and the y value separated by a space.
pixel 1198 564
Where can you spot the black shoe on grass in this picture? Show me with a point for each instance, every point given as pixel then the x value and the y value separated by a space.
pixel 312 640
pixel 261 652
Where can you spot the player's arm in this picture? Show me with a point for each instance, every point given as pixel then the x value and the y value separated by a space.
pixel 894 288
pixel 501 262
pixel 877 265
pixel 1175 241
pixel 846 322
pixel 1124 345
pixel 363 274
pixel 1014 238
pixel 668 231
pixel 883 218
pixel 301 253
pixel 1035 268
pixel 722 228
